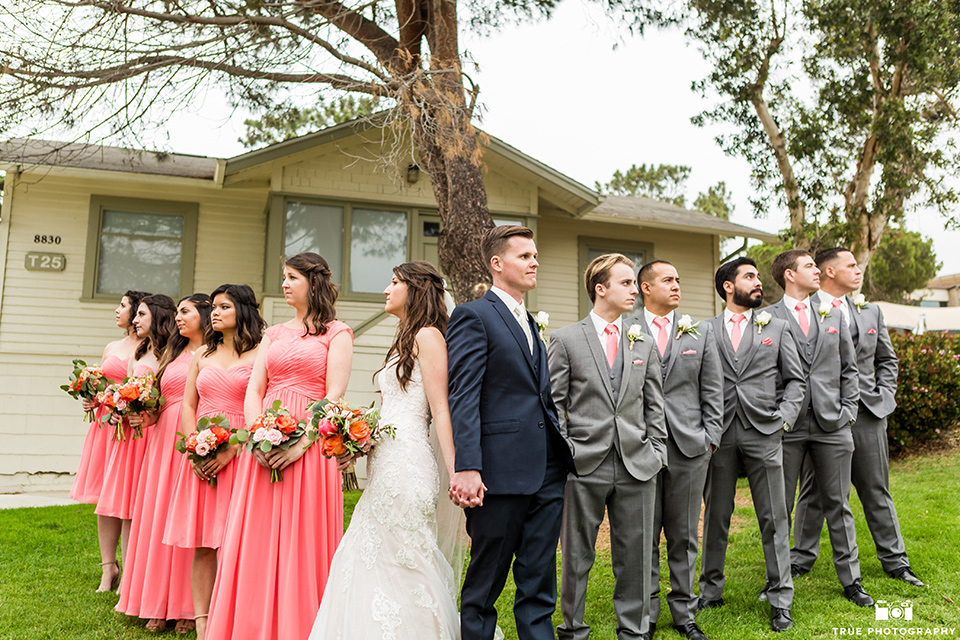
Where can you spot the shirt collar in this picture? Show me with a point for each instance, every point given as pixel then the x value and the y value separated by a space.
pixel 650 317
pixel 727 315
pixel 508 300
pixel 791 303
pixel 601 325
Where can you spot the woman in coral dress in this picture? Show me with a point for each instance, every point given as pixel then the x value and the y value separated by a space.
pixel 280 537
pixel 96 448
pixel 156 578
pixel 154 324
pixel 216 384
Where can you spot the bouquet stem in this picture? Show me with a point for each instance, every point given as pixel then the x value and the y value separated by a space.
pixel 276 475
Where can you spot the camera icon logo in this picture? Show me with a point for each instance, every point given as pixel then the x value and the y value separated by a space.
pixel 894 610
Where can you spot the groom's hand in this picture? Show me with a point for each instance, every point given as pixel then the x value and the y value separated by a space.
pixel 467 489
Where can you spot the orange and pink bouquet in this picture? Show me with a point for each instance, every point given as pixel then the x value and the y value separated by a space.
pixel 276 428
pixel 136 394
pixel 211 436
pixel 342 430
pixel 86 382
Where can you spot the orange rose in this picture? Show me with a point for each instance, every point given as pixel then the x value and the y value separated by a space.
pixel 286 424
pixel 129 393
pixel 359 431
pixel 333 446
pixel 222 434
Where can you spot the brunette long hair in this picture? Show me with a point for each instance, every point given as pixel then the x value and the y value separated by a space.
pixel 162 325
pixel 133 297
pixel 250 324
pixel 424 307
pixel 178 342
pixel 321 303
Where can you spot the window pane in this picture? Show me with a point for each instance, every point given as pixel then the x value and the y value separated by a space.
pixel 317 228
pixel 142 224
pixel 502 222
pixel 128 262
pixel 378 243
pixel 140 251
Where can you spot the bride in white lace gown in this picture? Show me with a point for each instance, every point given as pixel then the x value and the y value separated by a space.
pixel 389 579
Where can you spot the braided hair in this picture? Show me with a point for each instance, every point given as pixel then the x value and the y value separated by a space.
pixel 321 302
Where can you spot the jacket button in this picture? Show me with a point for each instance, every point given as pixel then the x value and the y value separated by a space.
pixel 540 425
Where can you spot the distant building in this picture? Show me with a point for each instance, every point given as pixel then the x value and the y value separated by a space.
pixel 942 291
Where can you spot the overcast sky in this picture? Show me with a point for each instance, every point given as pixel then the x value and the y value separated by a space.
pixel 560 92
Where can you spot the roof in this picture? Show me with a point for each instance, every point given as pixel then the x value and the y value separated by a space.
pixel 662 215
pixel 19 151
pixel 944 282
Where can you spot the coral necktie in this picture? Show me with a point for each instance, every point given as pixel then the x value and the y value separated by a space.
pixel 612 343
pixel 736 333
pixel 802 318
pixel 662 336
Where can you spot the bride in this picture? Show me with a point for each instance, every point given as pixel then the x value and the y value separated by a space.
pixel 389 579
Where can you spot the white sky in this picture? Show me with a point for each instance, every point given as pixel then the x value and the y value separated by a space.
pixel 560 92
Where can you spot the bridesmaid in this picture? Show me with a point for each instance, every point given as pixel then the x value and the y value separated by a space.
pixel 156 579
pixel 96 448
pixel 280 537
pixel 216 384
pixel 154 324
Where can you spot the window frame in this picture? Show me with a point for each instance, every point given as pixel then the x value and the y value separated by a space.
pixel 607 245
pixel 274 255
pixel 189 211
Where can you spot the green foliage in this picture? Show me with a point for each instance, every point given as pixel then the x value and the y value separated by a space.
pixel 285 121
pixel 717 201
pixel 763 255
pixel 664 182
pixel 903 263
pixel 928 389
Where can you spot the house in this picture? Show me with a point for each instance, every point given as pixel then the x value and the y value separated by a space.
pixel 82 223
pixel 942 291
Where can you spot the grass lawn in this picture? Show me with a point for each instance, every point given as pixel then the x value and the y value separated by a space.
pixel 49 568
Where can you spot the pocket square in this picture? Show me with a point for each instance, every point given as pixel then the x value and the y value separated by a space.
pixel 871 331
pixel 689 352
pixel 638 362
pixel 832 330
pixel 767 341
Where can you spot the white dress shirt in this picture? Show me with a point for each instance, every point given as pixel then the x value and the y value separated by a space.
pixel 513 306
pixel 744 324
pixel 654 329
pixel 791 305
pixel 600 325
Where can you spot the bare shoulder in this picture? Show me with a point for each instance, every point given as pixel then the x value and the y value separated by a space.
pixel 430 340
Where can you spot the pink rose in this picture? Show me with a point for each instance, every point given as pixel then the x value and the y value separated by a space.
pixel 260 434
pixel 203 448
pixel 274 436
pixel 326 428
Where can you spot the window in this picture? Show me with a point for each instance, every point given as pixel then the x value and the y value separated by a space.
pixel 362 243
pixel 590 248
pixel 147 245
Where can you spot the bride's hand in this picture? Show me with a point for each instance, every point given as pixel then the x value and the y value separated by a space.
pixel 345 460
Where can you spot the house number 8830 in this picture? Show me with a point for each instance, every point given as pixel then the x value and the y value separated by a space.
pixel 44 239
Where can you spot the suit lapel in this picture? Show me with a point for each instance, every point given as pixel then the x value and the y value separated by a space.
pixel 818 321
pixel 859 320
pixel 675 348
pixel 752 340
pixel 726 347
pixel 590 335
pixel 513 327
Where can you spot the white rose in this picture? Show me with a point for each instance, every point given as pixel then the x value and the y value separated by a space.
pixel 825 308
pixel 764 317
pixel 859 300
pixel 542 318
pixel 260 434
pixel 635 332
pixel 685 323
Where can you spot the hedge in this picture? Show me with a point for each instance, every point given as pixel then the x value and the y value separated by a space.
pixel 928 390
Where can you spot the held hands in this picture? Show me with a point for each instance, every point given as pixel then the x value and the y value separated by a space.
pixel 280 459
pixel 209 468
pixel 88 404
pixel 142 419
pixel 467 489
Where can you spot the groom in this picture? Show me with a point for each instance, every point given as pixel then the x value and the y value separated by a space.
pixel 511 461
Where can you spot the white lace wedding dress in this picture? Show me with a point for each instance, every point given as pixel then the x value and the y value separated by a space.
pixel 389 580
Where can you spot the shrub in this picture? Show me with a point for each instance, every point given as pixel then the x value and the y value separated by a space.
pixel 928 390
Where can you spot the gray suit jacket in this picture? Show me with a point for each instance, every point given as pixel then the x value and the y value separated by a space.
pixel 833 384
pixel 764 382
pixel 876 360
pixel 693 388
pixel 590 418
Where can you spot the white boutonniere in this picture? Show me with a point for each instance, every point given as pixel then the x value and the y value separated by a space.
pixel 762 319
pixel 686 325
pixel 634 334
pixel 859 301
pixel 824 310
pixel 542 318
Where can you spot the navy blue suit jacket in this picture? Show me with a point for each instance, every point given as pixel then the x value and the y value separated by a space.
pixel 500 401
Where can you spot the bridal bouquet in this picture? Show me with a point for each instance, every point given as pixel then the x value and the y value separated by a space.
pixel 136 394
pixel 276 428
pixel 341 429
pixel 212 435
pixel 86 382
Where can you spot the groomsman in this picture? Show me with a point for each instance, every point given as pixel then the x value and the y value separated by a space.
pixel 840 276
pixel 693 402
pixel 606 386
pixel 828 411
pixel 763 386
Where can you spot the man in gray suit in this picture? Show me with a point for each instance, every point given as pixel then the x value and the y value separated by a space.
pixel 840 276
pixel 829 409
pixel 763 389
pixel 606 384
pixel 693 395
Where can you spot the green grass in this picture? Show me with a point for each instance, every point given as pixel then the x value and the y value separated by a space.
pixel 49 567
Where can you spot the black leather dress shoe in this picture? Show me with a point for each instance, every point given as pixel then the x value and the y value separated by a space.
pixel 649 633
pixel 796 570
pixel 703 603
pixel 690 630
pixel 856 594
pixel 763 594
pixel 780 619
pixel 906 575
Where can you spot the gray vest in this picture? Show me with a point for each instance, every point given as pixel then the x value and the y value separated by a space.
pixel 807 344
pixel 665 359
pixel 616 373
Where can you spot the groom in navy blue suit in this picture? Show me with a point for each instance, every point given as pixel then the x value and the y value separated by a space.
pixel 511 461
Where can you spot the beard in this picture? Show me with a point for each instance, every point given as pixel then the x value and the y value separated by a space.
pixel 746 299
